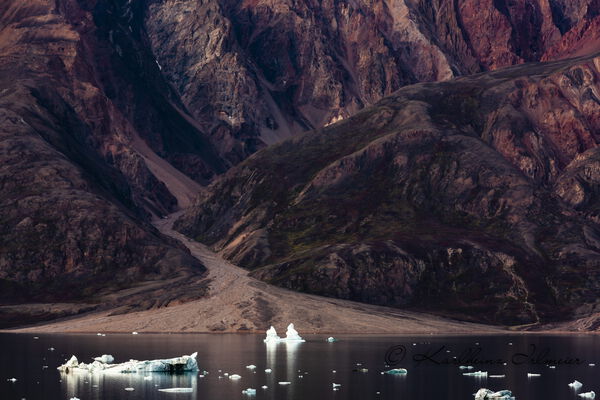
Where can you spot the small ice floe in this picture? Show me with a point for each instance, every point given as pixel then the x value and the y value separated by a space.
pixel 588 395
pixel 249 392
pixel 264 387
pixel 333 371
pixel 235 376
pixel 129 389
pixel 552 366
pixel 395 371
pixel 575 384
pixel 496 376
pixel 98 334
pixel 13 380
pixel 177 390
pixel 105 358
pixel 487 394
pixel 36 338
pixel 592 364
pixel 285 383
pixel 226 374
pixel 251 366
pixel 331 339
pixel 147 378
pixel 530 375
pixel 478 374
pixel 466 367
pixel 268 370
pixel 74 398
pixel 336 385
pixel 171 365
pixel 51 349
pixel 134 333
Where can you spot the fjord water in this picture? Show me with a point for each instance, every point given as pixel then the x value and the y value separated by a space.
pixel 24 358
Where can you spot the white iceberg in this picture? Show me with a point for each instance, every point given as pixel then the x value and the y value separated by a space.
pixel 466 367
pixel 291 335
pixel 395 371
pixel 479 374
pixel 105 358
pixel 272 336
pixel 129 389
pixel 336 385
pixel 264 387
pixel 530 375
pixel 575 384
pixel 268 371
pixel 496 376
pixel 487 394
pixel 285 383
pixel 177 390
pixel 171 365
pixel 251 366
pixel 249 392
pixel 588 395
pixel 234 376
pixel 331 339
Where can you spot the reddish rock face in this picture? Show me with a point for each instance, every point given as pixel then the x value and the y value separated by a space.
pixel 254 72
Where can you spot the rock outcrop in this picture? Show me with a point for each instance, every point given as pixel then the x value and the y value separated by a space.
pixel 475 197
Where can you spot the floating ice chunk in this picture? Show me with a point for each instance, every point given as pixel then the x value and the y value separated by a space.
pixel 272 336
pixel 13 380
pixel 268 370
pixel 592 364
pixel 249 392
pixel 291 335
pixel 336 385
pixel 466 367
pixel 476 373
pixel 530 375
pixel 178 364
pixel 74 398
pixel 251 366
pixel 147 378
pixel 134 333
pixel 98 334
pixel 487 394
pixel 235 376
pixel 334 371
pixel 588 395
pixel 105 358
pixel 331 339
pixel 575 384
pixel 129 389
pixel 36 338
pixel 396 371
pixel 177 390
pixel 285 383
pixel 552 366
pixel 51 349
pixel 496 376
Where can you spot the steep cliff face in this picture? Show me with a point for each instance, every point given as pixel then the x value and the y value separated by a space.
pixel 253 72
pixel 75 190
pixel 474 197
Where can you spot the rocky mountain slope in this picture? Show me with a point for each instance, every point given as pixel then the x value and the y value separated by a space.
pixel 75 192
pixel 475 197
pixel 255 71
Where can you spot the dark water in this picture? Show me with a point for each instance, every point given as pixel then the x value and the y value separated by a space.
pixel 23 357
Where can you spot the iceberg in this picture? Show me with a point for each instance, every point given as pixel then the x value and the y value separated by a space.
pixel 487 394
pixel 268 371
pixel 272 336
pixel 466 367
pixel 177 390
pixel 251 366
pixel 496 376
pixel 249 392
pixel 105 358
pixel 336 385
pixel 575 384
pixel 171 365
pixel 588 395
pixel 129 389
pixel 396 371
pixel 264 387
pixel 479 374
pixel 530 375
pixel 291 335
pixel 285 383
pixel 234 376
pixel 331 339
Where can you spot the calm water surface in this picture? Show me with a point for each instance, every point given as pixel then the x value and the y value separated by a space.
pixel 24 358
